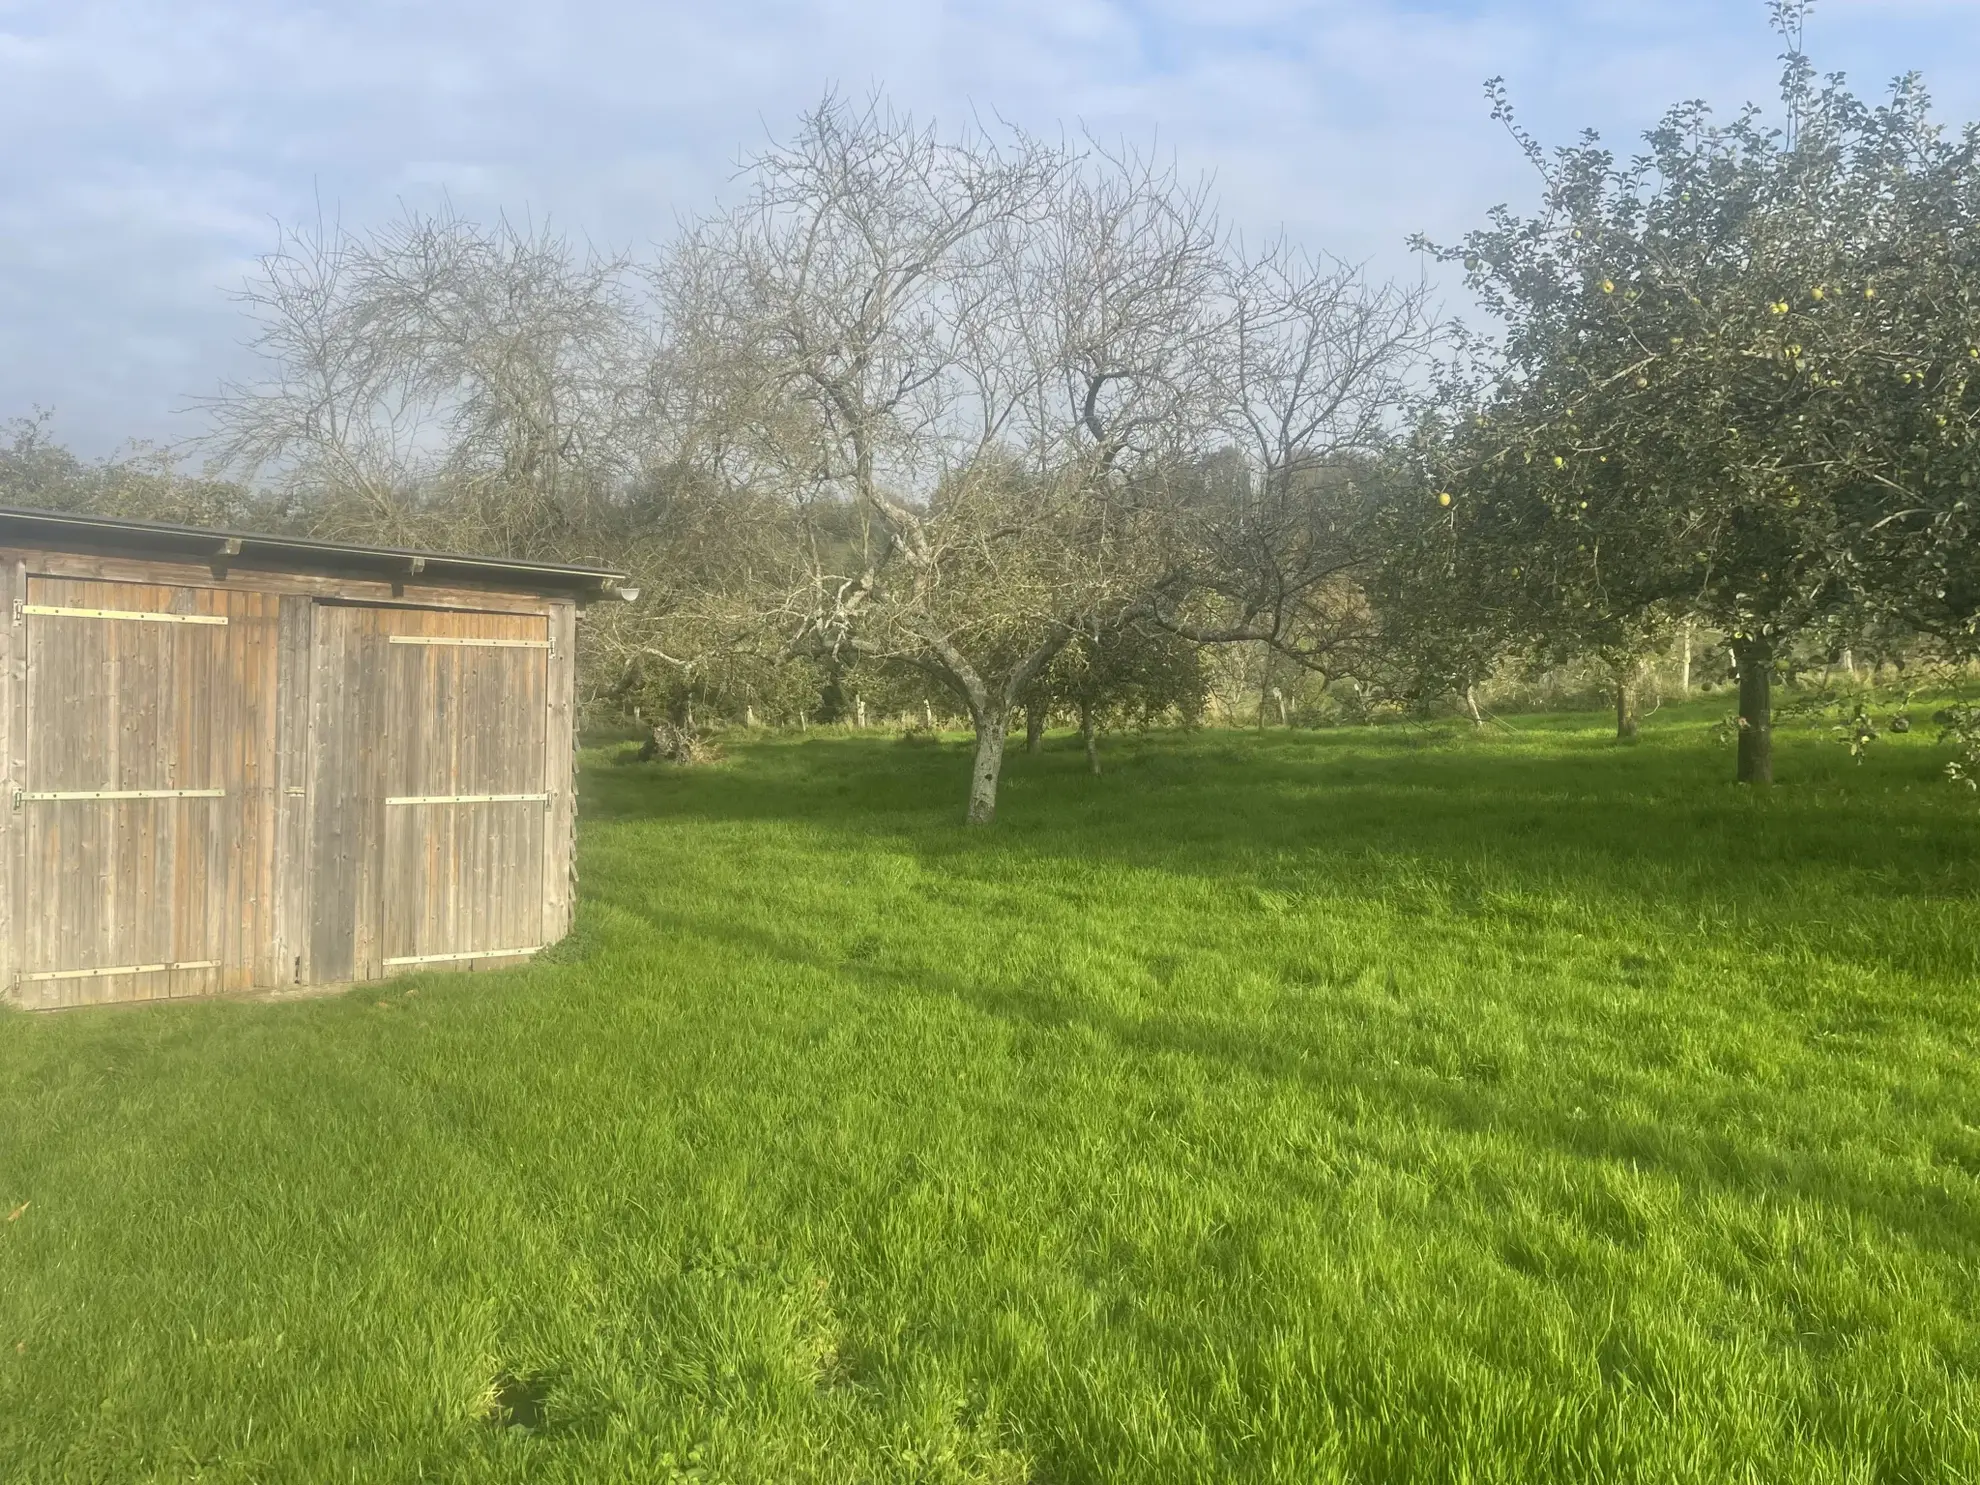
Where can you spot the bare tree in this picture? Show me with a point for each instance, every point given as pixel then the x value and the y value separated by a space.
pixel 951 355
pixel 439 380
pixel 441 383
pixel 990 372
pixel 1277 545
pixel 934 402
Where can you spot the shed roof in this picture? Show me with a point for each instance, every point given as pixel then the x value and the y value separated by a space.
pixel 162 541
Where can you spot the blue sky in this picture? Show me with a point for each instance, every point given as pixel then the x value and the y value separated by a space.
pixel 149 147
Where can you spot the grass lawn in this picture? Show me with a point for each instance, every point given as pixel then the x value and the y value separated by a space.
pixel 1353 1105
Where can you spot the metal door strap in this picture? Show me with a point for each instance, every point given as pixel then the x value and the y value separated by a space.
pixel 27 794
pixel 120 969
pixel 469 954
pixel 492 644
pixel 141 616
pixel 467 798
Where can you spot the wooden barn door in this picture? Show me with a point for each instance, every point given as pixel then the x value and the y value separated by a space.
pixel 139 796
pixel 431 802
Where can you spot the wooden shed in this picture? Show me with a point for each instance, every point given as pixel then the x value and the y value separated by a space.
pixel 239 761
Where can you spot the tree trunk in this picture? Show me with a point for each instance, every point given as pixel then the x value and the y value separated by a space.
pixel 990 730
pixel 1471 700
pixel 1091 737
pixel 1625 707
pixel 1849 665
pixel 1034 729
pixel 859 712
pixel 1280 697
pixel 928 713
pixel 1684 672
pixel 1755 659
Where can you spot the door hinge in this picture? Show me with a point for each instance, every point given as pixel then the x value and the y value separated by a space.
pixel 20 610
pixel 19 799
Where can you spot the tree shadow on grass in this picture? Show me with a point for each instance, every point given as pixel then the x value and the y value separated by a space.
pixel 1944 1219
pixel 1650 832
pixel 1336 788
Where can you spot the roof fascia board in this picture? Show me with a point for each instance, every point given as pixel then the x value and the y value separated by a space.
pixel 245 550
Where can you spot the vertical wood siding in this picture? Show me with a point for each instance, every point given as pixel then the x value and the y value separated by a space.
pixel 431 857
pixel 173 892
pixel 13 742
pixel 357 809
pixel 288 944
pixel 560 776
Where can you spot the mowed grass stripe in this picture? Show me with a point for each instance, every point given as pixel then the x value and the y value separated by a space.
pixel 1363 1105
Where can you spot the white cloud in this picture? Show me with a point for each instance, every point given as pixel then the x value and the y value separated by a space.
pixel 149 144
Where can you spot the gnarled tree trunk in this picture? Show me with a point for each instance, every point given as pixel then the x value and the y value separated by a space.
pixel 990 710
pixel 1755 658
pixel 1626 706
pixel 990 730
pixel 1091 737
pixel 1034 728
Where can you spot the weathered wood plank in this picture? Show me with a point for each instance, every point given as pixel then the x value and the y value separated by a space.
pixel 333 786
pixel 289 885
pixel 375 725
pixel 560 776
pixel 13 588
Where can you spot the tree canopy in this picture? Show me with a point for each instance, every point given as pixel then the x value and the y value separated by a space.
pixel 1735 380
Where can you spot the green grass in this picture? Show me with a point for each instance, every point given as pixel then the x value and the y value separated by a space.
pixel 1300 1107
